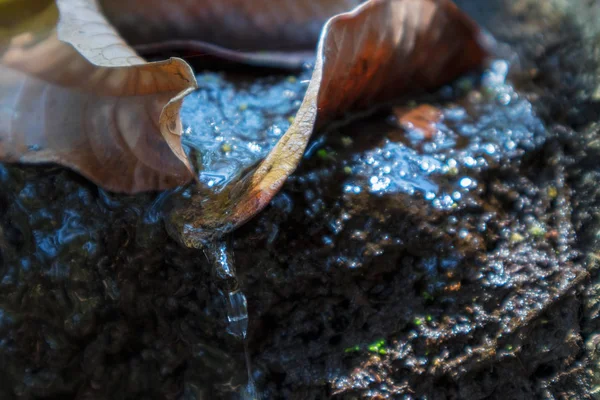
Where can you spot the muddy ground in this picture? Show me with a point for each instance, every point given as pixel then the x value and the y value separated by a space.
pixel 390 265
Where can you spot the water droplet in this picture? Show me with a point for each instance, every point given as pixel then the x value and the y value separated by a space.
pixel 466 182
pixel 470 162
pixel 237 314
pixel 489 148
pixel 503 99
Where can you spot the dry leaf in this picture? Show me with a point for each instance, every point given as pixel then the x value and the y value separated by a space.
pixel 281 34
pixel 379 51
pixel 424 118
pixel 80 96
pixel 241 25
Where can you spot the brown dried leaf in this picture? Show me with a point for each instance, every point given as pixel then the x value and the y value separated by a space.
pixel 281 34
pixel 78 95
pixel 424 118
pixel 241 25
pixel 379 51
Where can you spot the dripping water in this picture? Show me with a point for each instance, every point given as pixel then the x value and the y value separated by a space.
pixel 225 278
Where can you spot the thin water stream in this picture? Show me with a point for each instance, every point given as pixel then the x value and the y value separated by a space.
pixel 225 278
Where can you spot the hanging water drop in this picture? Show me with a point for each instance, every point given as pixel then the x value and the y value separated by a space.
pixel 237 314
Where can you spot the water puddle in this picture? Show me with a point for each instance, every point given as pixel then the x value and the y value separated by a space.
pixel 481 124
pixel 233 121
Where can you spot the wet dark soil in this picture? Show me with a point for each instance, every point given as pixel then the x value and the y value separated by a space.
pixel 391 265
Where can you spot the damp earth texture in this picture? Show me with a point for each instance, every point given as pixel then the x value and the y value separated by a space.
pixel 456 262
